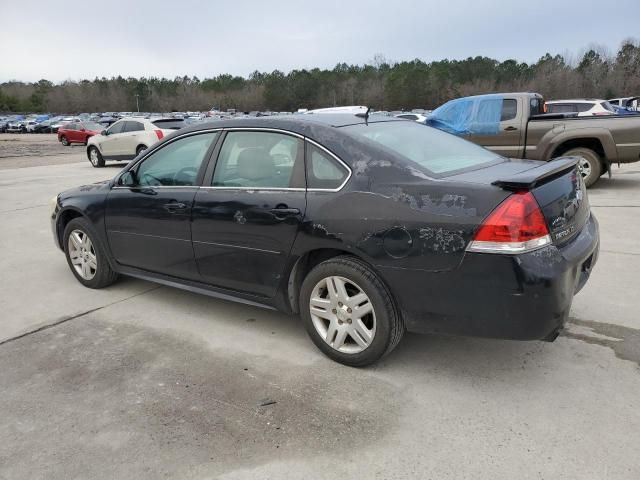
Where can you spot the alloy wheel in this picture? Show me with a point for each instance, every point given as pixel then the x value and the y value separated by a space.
pixel 82 254
pixel 93 156
pixel 584 167
pixel 342 314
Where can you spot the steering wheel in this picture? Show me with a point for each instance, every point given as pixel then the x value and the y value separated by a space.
pixel 184 172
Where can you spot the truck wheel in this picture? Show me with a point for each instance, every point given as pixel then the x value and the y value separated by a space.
pixel 590 165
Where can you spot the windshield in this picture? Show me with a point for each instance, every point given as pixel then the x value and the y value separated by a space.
pixel 436 151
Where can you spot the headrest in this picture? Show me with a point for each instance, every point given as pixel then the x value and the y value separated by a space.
pixel 255 163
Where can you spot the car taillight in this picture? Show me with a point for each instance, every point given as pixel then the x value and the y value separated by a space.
pixel 159 134
pixel 517 225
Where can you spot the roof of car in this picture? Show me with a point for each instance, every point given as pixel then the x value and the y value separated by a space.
pixel 302 124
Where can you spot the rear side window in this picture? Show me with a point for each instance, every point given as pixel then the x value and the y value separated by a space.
pixel 435 151
pixel 70 126
pixel 536 106
pixel 607 106
pixel 133 127
pixel 561 108
pixel 583 107
pixel 323 171
pixel 259 160
pixel 509 109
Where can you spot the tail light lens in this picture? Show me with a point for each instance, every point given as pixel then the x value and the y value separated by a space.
pixel 159 134
pixel 516 226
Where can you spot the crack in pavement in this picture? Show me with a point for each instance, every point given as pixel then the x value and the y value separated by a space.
pixel 620 253
pixel 23 208
pixel 624 341
pixel 66 319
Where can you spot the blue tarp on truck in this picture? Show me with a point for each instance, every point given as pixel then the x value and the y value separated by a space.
pixel 477 115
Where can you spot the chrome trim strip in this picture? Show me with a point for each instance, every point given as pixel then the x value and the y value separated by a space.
pixel 147 235
pixel 237 246
pixel 483 246
pixel 253 189
pixel 153 187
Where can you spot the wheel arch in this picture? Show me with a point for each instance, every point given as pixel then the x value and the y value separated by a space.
pixel 305 263
pixel 64 217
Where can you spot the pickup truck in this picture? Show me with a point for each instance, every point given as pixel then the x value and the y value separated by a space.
pixel 515 125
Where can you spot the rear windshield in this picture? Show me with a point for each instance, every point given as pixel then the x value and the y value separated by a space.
pixel 437 152
pixel 169 123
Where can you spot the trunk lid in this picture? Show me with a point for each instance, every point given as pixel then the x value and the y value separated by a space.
pixel 556 185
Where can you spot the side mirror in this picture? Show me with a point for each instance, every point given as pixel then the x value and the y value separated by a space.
pixel 104 133
pixel 127 179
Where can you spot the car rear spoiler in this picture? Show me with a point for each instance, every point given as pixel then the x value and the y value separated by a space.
pixel 538 175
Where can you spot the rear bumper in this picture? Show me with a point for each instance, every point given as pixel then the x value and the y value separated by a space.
pixel 522 297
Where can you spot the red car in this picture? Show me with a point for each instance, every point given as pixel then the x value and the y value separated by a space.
pixel 78 132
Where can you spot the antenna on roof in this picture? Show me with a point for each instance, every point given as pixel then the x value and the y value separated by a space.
pixel 364 115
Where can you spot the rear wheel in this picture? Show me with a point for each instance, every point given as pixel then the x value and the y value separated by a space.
pixel 95 157
pixel 64 141
pixel 590 165
pixel 349 313
pixel 85 257
pixel 140 149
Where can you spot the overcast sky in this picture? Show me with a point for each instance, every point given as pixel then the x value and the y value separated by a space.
pixel 61 40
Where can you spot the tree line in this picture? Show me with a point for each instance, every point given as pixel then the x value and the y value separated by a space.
pixel 381 84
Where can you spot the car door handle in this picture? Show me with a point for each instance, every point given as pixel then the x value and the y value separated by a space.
pixel 174 206
pixel 285 212
pixel 510 129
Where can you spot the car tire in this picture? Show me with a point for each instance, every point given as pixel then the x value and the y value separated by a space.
pixel 85 256
pixel 140 149
pixel 95 157
pixel 590 164
pixel 334 324
pixel 64 141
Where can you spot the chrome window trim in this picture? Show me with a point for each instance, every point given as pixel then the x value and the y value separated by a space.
pixel 259 129
pixel 151 150
pixel 339 160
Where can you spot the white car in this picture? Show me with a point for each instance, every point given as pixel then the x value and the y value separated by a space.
pixel 630 103
pixel 583 107
pixel 128 137
pixel 416 117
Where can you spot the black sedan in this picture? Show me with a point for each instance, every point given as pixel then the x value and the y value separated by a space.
pixel 365 228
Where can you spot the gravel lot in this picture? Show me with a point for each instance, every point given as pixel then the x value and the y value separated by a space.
pixel 29 150
pixel 143 381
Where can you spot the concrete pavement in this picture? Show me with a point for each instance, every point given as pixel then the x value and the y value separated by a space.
pixel 142 381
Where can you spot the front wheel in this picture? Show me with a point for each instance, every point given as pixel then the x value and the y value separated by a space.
pixel 95 157
pixel 64 141
pixel 349 312
pixel 85 257
pixel 590 165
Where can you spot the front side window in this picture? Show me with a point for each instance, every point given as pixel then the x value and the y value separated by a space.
pixel 133 127
pixel 258 160
pixel 177 163
pixel 323 171
pixel 435 151
pixel 116 128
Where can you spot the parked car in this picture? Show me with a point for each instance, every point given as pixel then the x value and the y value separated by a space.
pixel 60 121
pixel 515 125
pixel 416 117
pixel 584 108
pixel 366 227
pixel 127 138
pixel 78 132
pixel 29 125
pixel 628 103
pixel 43 127
pixel 16 126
